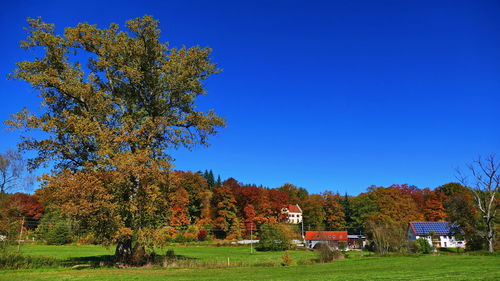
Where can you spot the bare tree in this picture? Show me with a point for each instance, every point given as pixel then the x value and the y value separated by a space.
pixel 387 236
pixel 11 170
pixel 484 184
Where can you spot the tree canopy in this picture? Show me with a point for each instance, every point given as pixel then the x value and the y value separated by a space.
pixel 114 102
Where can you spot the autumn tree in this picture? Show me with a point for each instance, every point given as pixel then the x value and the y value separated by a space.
pixel 334 214
pixel 196 187
pixel 249 213
pixel 248 194
pixel 277 200
pixel 485 185
pixel 295 194
pixel 433 209
pixel 458 202
pixel 313 211
pixel 179 214
pixel 109 121
pixel 394 205
pixel 385 210
pixel 26 207
pixel 462 212
pixel 19 211
pixel 225 208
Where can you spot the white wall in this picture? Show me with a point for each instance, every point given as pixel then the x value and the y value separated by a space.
pixel 294 218
pixel 445 241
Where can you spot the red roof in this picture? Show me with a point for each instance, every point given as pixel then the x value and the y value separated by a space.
pixel 326 235
pixel 294 209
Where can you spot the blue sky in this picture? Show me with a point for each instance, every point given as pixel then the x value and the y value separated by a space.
pixel 333 95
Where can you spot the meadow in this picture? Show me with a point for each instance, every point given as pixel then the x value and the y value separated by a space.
pixel 195 256
pixel 265 266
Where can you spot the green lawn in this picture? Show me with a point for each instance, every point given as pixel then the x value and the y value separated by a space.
pixel 192 255
pixel 444 267
pixel 66 252
pixel 460 267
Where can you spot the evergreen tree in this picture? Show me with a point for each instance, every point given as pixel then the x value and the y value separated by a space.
pixel 346 206
pixel 210 179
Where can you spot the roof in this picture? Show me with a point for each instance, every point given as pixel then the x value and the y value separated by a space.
pixel 439 228
pixel 294 209
pixel 326 235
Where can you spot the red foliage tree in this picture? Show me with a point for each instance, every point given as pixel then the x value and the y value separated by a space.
pixel 27 207
pixel 278 199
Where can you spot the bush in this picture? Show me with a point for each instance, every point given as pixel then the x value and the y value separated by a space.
pixel 421 245
pixel 202 235
pixel 286 259
pixel 58 235
pixel 273 238
pixel 170 255
pixel 54 229
pixel 17 261
pixel 325 254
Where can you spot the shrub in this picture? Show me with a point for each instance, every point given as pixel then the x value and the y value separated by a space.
pixel 325 254
pixel 58 235
pixel 202 235
pixel 421 245
pixel 286 259
pixel 54 229
pixel 273 238
pixel 14 260
pixel 170 256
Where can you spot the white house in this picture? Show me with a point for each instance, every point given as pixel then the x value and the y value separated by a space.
pixel 293 214
pixel 438 234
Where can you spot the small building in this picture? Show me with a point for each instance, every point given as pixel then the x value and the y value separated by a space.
pixel 438 234
pixel 356 241
pixel 293 214
pixel 332 239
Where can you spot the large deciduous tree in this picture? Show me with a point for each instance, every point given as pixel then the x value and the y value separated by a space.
pixel 114 102
pixel 485 185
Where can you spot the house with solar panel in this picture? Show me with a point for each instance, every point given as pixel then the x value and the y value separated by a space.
pixel 438 234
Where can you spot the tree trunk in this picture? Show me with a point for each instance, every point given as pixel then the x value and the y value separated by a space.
pixel 123 253
pixel 491 239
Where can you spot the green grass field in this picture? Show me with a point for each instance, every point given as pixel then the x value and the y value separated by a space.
pixel 444 267
pixel 202 255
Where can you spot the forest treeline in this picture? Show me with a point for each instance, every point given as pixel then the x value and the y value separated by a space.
pixel 198 207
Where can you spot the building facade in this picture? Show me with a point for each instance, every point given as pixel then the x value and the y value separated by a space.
pixel 293 214
pixel 332 239
pixel 438 234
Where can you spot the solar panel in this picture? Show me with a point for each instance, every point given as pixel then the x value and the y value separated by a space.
pixel 440 228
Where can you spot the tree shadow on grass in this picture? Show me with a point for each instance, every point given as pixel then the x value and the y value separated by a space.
pixel 92 261
pixel 109 261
